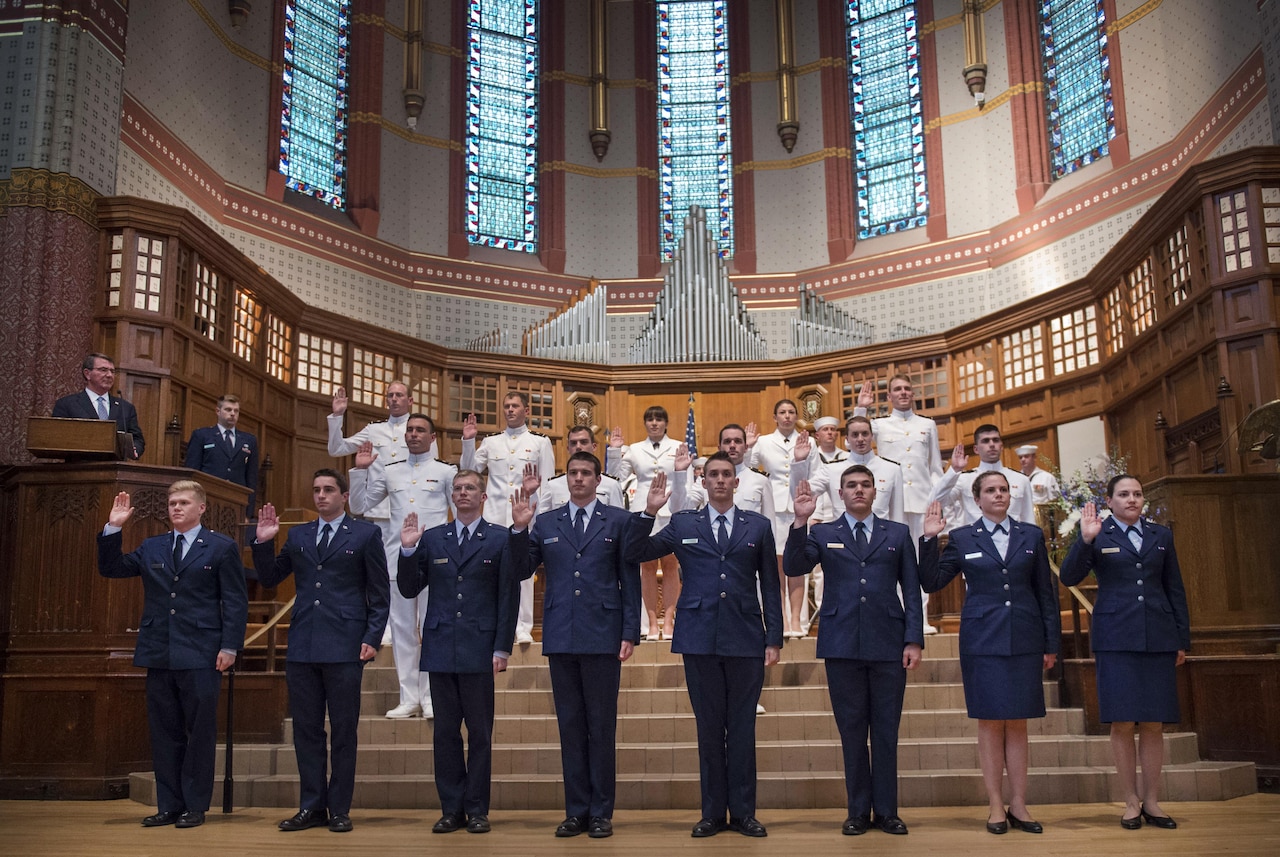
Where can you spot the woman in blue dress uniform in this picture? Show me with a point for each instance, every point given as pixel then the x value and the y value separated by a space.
pixel 1140 632
pixel 1009 634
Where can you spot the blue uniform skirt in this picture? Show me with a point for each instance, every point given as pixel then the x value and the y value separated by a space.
pixel 1137 687
pixel 1003 687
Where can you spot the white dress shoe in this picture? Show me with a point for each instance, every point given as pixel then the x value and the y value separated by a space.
pixel 929 629
pixel 405 710
pixel 524 638
pixel 428 712
pixel 759 708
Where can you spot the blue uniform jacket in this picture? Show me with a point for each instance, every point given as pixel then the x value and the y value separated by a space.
pixel 343 597
pixel 861 615
pixel 208 453
pixel 591 602
pixel 719 610
pixel 1011 604
pixel 472 598
pixel 191 612
pixel 1141 604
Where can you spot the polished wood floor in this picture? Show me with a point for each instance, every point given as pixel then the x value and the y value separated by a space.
pixel 1243 826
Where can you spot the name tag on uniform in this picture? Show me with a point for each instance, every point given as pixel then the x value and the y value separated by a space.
pixel 1111 550
pixel 206 446
pixel 688 541
pixel 975 555
pixel 444 560
pixel 551 541
pixel 835 546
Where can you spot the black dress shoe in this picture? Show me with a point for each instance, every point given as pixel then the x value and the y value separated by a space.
pixel 748 825
pixel 1134 823
pixel 571 826
pixel 855 825
pixel 708 827
pixel 1162 821
pixel 340 824
pixel 190 818
pixel 1024 826
pixel 304 819
pixel 891 824
pixel 478 824
pixel 600 828
pixel 160 819
pixel 448 824
pixel 998 827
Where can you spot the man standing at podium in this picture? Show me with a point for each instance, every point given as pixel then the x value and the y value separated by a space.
pixel 192 625
pixel 97 403
pixel 224 451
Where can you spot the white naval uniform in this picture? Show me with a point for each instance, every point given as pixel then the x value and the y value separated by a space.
pixel 421 484
pixel 825 480
pixel 388 442
pixel 555 493
pixel 643 461
pixel 957 489
pixel 504 456
pixel 775 454
pixel 823 511
pixel 1044 487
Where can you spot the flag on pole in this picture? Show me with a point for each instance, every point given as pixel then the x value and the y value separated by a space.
pixel 691 431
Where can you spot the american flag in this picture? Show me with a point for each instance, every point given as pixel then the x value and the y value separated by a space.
pixel 691 431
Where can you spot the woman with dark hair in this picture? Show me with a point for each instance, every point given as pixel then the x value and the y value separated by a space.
pixel 1140 632
pixel 1009 634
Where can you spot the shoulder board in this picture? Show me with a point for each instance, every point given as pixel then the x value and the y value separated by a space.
pixel 757 470
pixel 970 470
pixel 891 461
pixel 394 463
pixel 537 433
pixel 687 512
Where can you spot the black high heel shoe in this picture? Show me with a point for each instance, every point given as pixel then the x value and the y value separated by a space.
pixel 1162 821
pixel 1024 826
pixel 998 827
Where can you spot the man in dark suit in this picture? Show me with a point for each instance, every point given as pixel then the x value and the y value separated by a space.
pixel 868 636
pixel 341 610
pixel 724 553
pixel 192 625
pixel 590 625
pixel 471 570
pixel 97 403
pixel 224 451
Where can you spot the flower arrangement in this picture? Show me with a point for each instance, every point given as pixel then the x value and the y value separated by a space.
pixel 1089 485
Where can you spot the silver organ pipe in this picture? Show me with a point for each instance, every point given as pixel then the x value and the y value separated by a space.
pixel 576 331
pixel 698 316
pixel 822 326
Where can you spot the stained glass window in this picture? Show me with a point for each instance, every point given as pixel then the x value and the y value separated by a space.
pixel 694 153
pixel 313 120
pixel 888 126
pixel 1077 75
pixel 502 124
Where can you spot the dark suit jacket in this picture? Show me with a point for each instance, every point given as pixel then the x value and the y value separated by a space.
pixel 1011 604
pixel 190 613
pixel 1141 604
pixel 862 617
pixel 718 615
pixel 592 598
pixel 77 406
pixel 472 598
pixel 207 452
pixel 343 597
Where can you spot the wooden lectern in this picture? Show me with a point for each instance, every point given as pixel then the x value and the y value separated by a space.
pixel 77 440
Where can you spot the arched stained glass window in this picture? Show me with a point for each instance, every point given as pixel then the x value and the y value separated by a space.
pixel 502 124
pixel 313 116
pixel 694 152
pixel 1077 75
pixel 888 126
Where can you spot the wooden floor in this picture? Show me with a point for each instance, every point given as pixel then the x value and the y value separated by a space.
pixel 1246 826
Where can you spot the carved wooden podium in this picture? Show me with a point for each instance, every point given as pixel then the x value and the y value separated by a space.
pixel 72 705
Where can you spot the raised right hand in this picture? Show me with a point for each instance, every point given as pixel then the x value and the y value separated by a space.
pixel 340 401
pixel 268 524
pixel 1090 523
pixel 934 523
pixel 959 461
pixel 409 531
pixel 683 458
pixel 803 446
pixel 866 395
pixel 469 428
pixel 658 494
pixel 121 511
pixel 615 437
pixel 804 503
pixel 365 455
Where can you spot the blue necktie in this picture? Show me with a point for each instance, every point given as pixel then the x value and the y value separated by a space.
pixel 860 535
pixel 722 533
pixel 580 522
pixel 103 413
pixel 324 539
pixel 177 551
